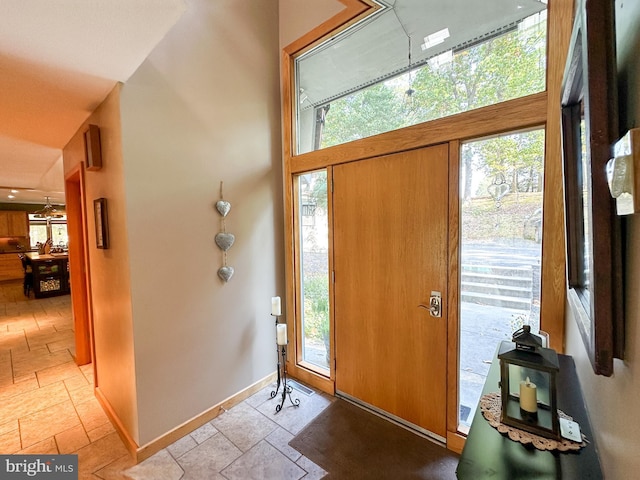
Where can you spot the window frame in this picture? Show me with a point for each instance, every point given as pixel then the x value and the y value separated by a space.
pixel 521 113
pixel 299 291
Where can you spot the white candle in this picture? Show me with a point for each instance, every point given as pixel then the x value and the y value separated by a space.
pixel 275 306
pixel 281 334
pixel 528 396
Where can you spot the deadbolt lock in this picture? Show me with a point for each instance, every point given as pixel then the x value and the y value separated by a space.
pixel 435 304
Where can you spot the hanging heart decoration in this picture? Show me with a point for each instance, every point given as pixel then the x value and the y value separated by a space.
pixel 498 190
pixel 225 240
pixel 223 207
pixel 225 273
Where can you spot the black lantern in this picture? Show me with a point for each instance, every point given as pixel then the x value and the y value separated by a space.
pixel 528 384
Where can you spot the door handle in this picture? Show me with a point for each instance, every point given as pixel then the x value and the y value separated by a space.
pixel 435 304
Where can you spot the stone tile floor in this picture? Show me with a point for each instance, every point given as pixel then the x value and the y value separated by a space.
pixel 47 406
pixel 250 441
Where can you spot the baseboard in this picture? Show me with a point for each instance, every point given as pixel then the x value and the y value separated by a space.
pixel 141 453
pixel 129 442
pixel 189 426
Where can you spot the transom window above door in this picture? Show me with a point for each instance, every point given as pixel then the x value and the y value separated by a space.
pixel 417 60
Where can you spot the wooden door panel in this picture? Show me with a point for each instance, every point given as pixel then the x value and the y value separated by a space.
pixel 390 247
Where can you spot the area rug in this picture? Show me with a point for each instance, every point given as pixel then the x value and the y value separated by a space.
pixel 351 443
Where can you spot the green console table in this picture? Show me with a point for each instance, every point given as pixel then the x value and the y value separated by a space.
pixel 488 454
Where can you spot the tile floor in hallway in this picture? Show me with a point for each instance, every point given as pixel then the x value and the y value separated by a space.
pixel 47 406
pixel 250 441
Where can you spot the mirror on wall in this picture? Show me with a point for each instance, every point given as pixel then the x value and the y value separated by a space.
pixel 594 241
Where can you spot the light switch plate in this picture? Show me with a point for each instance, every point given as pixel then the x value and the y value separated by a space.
pixel 570 430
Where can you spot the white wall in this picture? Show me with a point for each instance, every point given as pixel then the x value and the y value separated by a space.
pixel 613 402
pixel 203 108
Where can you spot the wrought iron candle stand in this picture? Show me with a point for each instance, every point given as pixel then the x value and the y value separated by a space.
pixel 281 352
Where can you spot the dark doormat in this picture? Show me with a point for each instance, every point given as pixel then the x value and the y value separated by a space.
pixel 351 443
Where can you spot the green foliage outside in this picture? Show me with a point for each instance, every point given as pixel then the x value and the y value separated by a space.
pixel 368 112
pixel 510 218
pixel 316 308
pixel 506 67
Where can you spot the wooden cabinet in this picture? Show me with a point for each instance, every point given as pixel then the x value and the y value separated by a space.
pixel 4 224
pixel 14 224
pixel 18 224
pixel 10 267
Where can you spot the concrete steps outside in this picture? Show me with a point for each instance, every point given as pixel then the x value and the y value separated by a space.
pixel 507 287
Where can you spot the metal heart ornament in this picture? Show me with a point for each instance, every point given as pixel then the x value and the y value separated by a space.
pixel 498 190
pixel 223 207
pixel 225 273
pixel 225 240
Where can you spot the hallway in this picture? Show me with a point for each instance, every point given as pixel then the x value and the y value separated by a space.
pixel 48 407
pixel 47 401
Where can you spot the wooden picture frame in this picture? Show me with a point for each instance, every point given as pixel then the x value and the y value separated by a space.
pixel 93 148
pixel 102 224
pixel 594 242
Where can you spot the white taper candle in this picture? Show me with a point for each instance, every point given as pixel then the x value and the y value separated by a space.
pixel 275 306
pixel 281 334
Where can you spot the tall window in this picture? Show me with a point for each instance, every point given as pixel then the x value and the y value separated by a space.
pixel 501 254
pixel 41 229
pixel 428 66
pixel 408 66
pixel 313 241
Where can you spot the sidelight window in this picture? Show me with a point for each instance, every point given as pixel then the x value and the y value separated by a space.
pixel 313 286
pixel 500 255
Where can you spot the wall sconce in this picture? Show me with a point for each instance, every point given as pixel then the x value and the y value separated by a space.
pixel 623 174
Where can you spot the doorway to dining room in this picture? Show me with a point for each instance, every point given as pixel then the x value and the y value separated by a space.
pixel 79 267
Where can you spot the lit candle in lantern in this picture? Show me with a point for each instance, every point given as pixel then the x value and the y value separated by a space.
pixel 281 334
pixel 528 396
pixel 275 306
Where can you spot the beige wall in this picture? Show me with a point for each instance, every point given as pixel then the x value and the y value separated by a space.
pixel 297 17
pixel 203 108
pixel 171 338
pixel 109 269
pixel 613 401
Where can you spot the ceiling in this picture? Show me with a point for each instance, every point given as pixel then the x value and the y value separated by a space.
pixel 58 61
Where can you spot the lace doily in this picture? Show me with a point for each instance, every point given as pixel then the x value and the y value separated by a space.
pixel 491 408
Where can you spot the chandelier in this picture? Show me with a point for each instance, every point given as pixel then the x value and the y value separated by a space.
pixel 49 211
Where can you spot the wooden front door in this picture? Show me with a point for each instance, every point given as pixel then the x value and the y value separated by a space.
pixel 390 247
